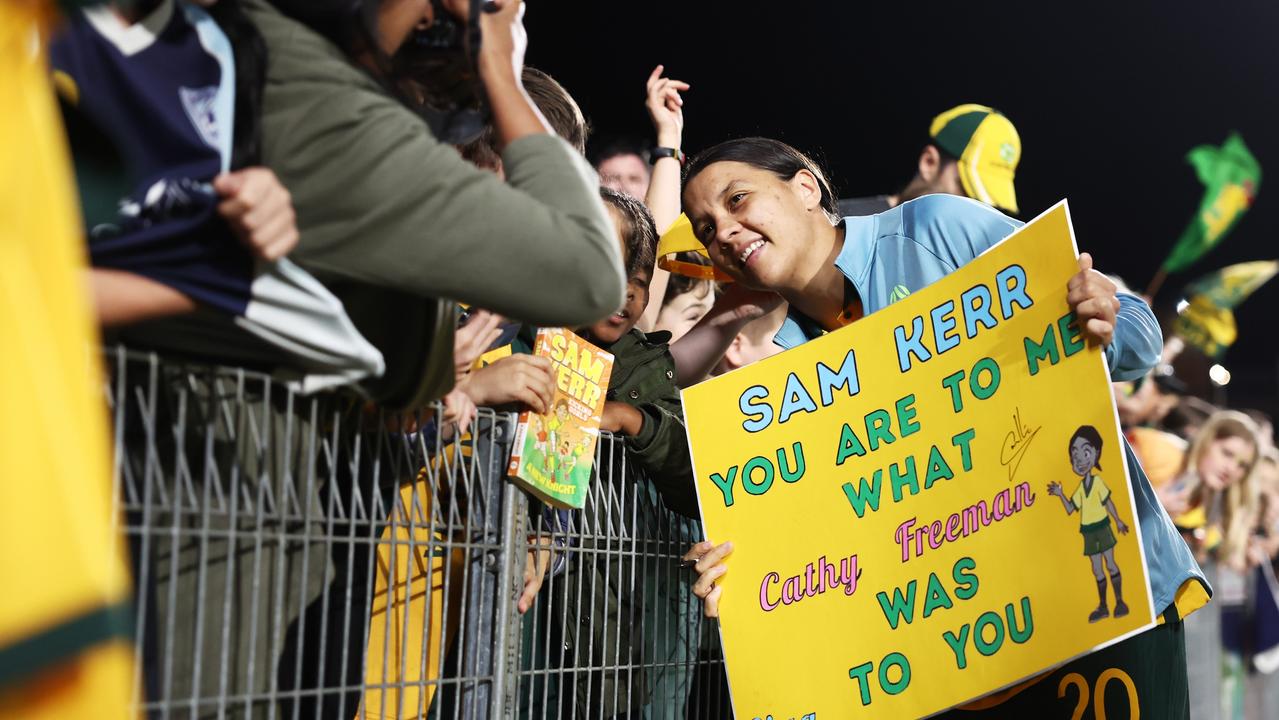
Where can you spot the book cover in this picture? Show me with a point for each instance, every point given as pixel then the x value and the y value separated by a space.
pixel 552 454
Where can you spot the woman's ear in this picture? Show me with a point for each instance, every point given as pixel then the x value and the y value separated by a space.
pixel 808 188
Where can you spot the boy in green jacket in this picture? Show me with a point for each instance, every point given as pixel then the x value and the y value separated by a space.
pixel 643 404
pixel 633 610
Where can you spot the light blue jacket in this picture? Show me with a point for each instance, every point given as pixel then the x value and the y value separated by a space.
pixel 897 252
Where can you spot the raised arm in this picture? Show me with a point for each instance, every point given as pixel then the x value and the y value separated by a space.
pixel 666 109
pixel 1054 488
pixel 697 352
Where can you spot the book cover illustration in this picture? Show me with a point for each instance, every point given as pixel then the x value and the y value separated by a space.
pixel 552 454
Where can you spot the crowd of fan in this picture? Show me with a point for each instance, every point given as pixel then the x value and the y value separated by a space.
pixel 1216 472
pixel 307 187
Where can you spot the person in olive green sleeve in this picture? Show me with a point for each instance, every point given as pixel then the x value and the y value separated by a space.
pixel 391 218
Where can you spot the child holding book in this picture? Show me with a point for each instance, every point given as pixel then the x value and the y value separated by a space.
pixel 620 598
pixel 643 406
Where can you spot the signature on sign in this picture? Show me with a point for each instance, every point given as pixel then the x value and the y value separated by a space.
pixel 1016 442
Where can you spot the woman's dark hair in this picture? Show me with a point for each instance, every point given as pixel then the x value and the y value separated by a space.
pixel 774 156
pixel 639 231
pixel 1092 437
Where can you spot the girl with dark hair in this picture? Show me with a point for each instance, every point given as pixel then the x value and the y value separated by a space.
pixel 767 217
pixel 391 217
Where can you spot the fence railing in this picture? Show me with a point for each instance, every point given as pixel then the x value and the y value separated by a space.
pixel 306 556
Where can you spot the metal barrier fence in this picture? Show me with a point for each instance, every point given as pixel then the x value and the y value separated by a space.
pixel 307 557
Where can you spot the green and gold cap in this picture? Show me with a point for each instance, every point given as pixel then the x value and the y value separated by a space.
pixel 988 148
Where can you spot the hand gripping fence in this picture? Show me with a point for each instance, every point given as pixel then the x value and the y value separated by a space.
pixel 306 556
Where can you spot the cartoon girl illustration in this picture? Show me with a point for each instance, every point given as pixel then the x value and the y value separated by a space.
pixel 1096 508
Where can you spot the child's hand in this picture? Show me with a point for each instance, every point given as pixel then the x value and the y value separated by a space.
pixel 526 379
pixel 459 412
pixel 666 108
pixel 1054 488
pixel 1092 297
pixel 621 419
pixel 537 560
pixel 259 210
pixel 739 304
pixel 1123 527
pixel 473 339
pixel 709 561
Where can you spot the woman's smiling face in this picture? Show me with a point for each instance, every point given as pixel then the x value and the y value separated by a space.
pixel 754 224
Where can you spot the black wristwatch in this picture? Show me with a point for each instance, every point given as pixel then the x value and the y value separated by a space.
pixel 658 153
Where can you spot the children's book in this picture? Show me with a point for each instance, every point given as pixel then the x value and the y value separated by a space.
pixel 552 454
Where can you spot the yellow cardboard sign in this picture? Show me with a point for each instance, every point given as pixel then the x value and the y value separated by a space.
pixel 890 491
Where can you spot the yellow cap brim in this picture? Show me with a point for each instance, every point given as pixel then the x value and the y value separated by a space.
pixel 989 162
pixel 680 238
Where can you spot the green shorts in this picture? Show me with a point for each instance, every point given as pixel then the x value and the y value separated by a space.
pixel 1098 537
pixel 1143 676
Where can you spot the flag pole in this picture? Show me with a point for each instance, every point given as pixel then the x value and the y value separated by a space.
pixel 1155 283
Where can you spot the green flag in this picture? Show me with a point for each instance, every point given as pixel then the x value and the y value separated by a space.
pixel 1231 177
pixel 1208 321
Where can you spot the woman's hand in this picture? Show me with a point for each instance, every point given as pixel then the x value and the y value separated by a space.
pixel 709 561
pixel 520 378
pixel 666 107
pixel 1092 297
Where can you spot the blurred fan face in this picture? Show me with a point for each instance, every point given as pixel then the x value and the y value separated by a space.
pixel 681 313
pixel 625 174
pixel 1226 461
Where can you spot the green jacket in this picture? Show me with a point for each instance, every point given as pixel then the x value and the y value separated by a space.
pixel 644 376
pixel 392 220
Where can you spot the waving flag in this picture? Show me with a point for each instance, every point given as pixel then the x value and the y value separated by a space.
pixel 1231 178
pixel 1208 322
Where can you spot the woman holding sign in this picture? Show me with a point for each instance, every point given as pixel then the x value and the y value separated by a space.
pixel 768 219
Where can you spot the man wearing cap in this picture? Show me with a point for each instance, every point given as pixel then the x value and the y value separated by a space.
pixel 973 152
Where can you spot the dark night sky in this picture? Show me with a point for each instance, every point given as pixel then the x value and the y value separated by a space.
pixel 1107 97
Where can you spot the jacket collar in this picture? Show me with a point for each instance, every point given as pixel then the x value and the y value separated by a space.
pixel 853 260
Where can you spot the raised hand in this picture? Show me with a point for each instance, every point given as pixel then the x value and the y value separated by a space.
pixel 1092 296
pixel 666 107
pixel 472 339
